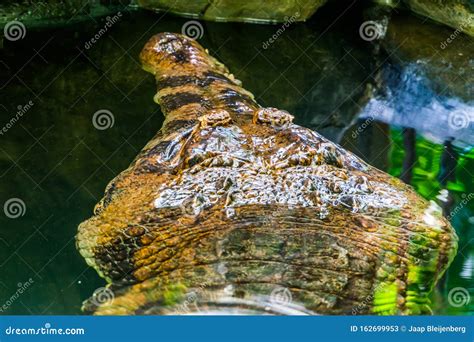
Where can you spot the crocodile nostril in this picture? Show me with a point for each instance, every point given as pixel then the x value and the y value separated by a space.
pixel 215 118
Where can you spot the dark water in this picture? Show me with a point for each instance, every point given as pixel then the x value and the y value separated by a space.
pixel 58 163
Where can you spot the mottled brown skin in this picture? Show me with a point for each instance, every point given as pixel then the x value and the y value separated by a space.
pixel 230 201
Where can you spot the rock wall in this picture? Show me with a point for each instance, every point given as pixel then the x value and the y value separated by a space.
pixel 458 14
pixel 238 10
pixel 50 12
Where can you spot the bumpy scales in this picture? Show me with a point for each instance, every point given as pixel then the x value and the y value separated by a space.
pixel 232 208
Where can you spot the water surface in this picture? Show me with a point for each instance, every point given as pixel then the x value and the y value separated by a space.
pixel 58 163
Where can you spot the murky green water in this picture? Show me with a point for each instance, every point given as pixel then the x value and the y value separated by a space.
pixel 57 163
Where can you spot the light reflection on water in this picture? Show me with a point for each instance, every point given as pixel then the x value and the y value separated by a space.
pixel 428 177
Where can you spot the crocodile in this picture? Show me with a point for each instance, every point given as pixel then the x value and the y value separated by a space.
pixel 234 209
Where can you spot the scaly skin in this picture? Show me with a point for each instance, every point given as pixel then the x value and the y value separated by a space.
pixel 231 201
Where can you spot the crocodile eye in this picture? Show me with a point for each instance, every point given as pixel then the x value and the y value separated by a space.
pixel 273 116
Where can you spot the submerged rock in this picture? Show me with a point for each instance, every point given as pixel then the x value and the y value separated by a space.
pixel 447 58
pixel 238 10
pixel 232 208
pixel 455 13
pixel 50 12
pixel 429 83
pixel 459 14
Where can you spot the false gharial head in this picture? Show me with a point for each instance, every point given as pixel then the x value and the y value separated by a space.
pixel 244 211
